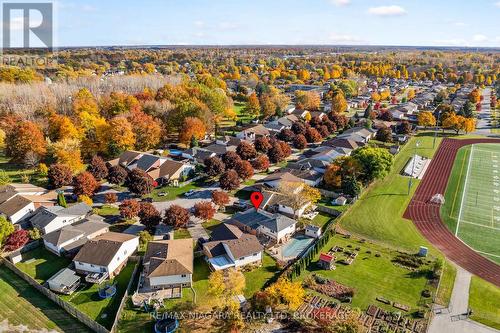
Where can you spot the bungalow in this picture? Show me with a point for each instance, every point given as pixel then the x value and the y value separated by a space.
pixel 310 164
pixel 71 238
pixel 104 256
pixel 19 201
pixel 275 202
pixel 168 264
pixel 327 153
pixel 49 219
pixel 364 133
pixel 300 114
pixel 230 247
pixel 253 132
pixel 346 142
pixel 309 177
pixel 161 169
pixel 275 179
pixel 220 149
pixel 276 226
pixel 198 155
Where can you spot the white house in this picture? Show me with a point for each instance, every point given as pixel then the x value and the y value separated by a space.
pixel 277 202
pixel 105 255
pixel 168 264
pixel 253 132
pixel 49 219
pixel 230 247
pixel 70 239
pixel 276 226
pixel 19 201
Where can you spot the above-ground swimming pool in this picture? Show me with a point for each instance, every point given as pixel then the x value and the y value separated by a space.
pixel 295 246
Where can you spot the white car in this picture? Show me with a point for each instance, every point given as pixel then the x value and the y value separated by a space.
pixel 162 194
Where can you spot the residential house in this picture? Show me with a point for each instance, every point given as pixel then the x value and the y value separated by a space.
pixel 104 256
pixel 69 239
pixel 343 143
pixel 275 179
pixel 309 164
pixel 168 264
pixel 49 219
pixel 19 201
pixel 230 247
pixel 276 202
pixel 162 169
pixel 198 155
pixel 250 133
pixel 358 134
pixel 276 226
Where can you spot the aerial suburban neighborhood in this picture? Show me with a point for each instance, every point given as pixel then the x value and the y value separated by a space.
pixel 242 188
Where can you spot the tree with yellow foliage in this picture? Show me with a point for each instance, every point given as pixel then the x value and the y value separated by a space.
pixel 61 127
pixel 253 105
pixel 426 118
pixel 85 199
pixel 121 137
pixel 307 100
pixel 67 152
pixel 410 94
pixel 375 96
pixel 339 103
pixel 286 292
pixel 468 124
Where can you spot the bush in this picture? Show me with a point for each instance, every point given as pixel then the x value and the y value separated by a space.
pixel 110 198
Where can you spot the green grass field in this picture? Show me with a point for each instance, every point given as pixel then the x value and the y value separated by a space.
pixel 21 304
pixel 472 199
pixel 373 276
pixel 377 214
pixel 484 300
pixel 41 264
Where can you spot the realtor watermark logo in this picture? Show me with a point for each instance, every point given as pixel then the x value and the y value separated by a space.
pixel 27 27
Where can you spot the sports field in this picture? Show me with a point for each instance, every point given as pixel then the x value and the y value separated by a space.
pixel 472 207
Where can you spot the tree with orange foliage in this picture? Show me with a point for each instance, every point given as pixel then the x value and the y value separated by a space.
pixel 204 210
pixel 147 130
pixel 61 127
pixel 339 103
pixel 192 127
pixel 121 136
pixel 118 103
pixel 253 105
pixel 26 138
pixel 332 176
pixel 85 184
pixel 475 96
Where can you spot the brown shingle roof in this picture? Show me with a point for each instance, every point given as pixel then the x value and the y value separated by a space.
pixel 14 205
pixel 101 250
pixel 170 257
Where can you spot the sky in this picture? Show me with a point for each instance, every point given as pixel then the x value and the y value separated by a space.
pixel 286 22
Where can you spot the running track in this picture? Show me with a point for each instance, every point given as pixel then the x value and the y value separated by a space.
pixel 426 216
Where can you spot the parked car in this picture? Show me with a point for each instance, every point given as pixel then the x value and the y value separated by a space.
pixel 162 194
pixel 147 200
pixel 189 193
pixel 241 205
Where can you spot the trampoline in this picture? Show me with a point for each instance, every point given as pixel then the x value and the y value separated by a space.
pixel 107 291
pixel 166 325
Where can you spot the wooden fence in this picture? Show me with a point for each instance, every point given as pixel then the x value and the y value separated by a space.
pixel 80 316
pixel 137 259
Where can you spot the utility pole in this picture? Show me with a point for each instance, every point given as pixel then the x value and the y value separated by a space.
pixel 417 144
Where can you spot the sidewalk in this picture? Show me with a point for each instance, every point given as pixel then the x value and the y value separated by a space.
pixel 442 323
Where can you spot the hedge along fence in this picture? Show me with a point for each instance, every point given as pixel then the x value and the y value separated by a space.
pixel 80 316
pixel 137 259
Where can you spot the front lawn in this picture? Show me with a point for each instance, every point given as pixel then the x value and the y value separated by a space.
pixel 181 234
pixel 102 311
pixel 210 225
pixel 108 211
pixel 373 276
pixel 484 300
pixel 42 264
pixel 167 193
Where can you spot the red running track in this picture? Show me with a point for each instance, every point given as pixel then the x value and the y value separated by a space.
pixel 426 216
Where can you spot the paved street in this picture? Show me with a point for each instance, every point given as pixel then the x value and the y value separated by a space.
pixel 483 126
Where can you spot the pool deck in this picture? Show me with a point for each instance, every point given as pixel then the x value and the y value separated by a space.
pixel 303 241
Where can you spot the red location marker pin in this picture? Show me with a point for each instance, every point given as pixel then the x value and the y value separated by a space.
pixel 256 199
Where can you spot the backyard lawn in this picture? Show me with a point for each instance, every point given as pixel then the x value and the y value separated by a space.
pixel 21 304
pixel 101 310
pixel 256 278
pixel 484 300
pixel 373 276
pixel 41 264
pixel 15 172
